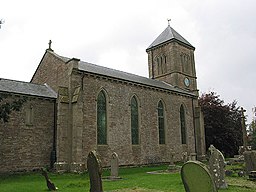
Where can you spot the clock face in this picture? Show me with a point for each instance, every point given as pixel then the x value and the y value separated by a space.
pixel 186 82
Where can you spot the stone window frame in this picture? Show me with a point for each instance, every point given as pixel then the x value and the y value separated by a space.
pixel 185 63
pixel 105 134
pixel 138 120
pixel 29 118
pixel 161 63
pixel 161 123
pixel 183 127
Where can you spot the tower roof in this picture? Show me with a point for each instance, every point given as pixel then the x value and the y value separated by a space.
pixel 167 35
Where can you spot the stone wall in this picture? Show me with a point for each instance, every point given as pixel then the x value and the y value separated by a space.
pixel 119 94
pixel 51 70
pixel 26 141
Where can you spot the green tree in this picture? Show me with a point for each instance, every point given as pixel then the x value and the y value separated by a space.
pixel 7 106
pixel 252 130
pixel 222 123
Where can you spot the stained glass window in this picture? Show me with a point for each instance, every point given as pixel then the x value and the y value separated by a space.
pixel 161 123
pixel 134 121
pixel 101 119
pixel 183 125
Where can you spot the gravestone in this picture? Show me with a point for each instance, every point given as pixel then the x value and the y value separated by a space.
pixel 252 176
pixel 192 157
pixel 172 154
pixel 250 161
pixel 197 178
pixel 172 166
pixel 114 165
pixel 217 164
pixel 185 157
pixel 49 183
pixel 95 171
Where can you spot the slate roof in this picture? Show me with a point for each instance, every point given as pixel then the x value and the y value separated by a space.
pixel 112 73
pixel 167 35
pixel 96 69
pixel 19 87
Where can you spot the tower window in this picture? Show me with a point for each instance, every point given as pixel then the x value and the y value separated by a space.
pixel 161 64
pixel 185 63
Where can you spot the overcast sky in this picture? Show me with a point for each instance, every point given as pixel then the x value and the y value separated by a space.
pixel 116 33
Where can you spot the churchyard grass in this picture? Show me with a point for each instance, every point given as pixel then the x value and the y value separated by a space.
pixel 134 180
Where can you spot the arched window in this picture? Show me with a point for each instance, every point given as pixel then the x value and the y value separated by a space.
pixel 183 125
pixel 161 123
pixel 159 66
pixel 134 121
pixel 101 119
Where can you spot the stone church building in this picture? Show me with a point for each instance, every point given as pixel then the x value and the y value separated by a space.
pixel 73 107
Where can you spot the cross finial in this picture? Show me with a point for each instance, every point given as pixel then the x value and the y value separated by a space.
pixel 168 21
pixel 242 112
pixel 50 46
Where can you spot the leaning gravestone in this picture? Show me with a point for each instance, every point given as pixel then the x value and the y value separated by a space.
pixel 49 183
pixel 217 164
pixel 114 166
pixel 95 172
pixel 196 177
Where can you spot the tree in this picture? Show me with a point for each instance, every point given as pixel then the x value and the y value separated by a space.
pixel 252 130
pixel 222 123
pixel 7 106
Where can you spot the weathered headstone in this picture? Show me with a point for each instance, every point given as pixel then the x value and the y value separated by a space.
pixel 114 165
pixel 192 157
pixel 172 166
pixel 250 161
pixel 252 176
pixel 49 183
pixel 217 167
pixel 172 154
pixel 185 157
pixel 196 177
pixel 95 171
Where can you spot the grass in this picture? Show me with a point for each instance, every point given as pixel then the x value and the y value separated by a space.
pixel 134 180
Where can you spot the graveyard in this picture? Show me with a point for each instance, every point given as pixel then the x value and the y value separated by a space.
pixel 133 179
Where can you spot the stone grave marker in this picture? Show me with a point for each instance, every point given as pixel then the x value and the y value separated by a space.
pixel 172 166
pixel 95 172
pixel 250 161
pixel 184 157
pixel 217 167
pixel 49 183
pixel 114 165
pixel 197 178
pixel 192 157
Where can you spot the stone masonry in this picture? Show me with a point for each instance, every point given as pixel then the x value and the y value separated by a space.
pixel 27 146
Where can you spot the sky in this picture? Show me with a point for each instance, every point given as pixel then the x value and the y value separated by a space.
pixel 116 33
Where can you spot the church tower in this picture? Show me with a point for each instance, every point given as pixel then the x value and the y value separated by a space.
pixel 171 59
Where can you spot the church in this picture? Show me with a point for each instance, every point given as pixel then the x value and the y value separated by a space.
pixel 72 107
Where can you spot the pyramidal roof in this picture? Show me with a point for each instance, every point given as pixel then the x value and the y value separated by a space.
pixel 167 35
